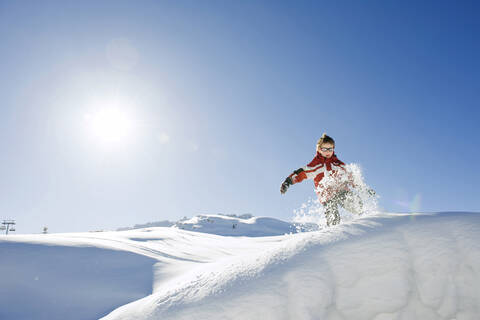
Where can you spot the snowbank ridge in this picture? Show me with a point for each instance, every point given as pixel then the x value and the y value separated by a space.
pixel 391 266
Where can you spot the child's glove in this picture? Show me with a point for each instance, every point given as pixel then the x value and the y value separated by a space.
pixel 287 183
pixel 298 171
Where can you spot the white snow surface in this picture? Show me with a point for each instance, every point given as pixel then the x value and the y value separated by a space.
pixel 385 266
pixel 237 226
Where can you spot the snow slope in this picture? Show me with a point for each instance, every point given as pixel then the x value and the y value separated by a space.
pixel 392 266
pixel 237 226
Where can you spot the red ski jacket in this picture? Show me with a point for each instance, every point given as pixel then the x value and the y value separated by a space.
pixel 321 167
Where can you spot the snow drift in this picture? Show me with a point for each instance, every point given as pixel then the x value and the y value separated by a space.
pixel 393 266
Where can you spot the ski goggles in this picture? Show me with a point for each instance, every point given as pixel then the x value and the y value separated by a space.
pixel 326 149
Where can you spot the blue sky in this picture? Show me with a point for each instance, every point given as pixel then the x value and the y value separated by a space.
pixel 225 99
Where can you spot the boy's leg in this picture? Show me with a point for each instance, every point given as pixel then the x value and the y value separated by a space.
pixel 331 212
pixel 351 202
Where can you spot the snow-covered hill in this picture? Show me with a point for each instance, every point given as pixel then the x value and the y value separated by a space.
pixel 392 266
pixel 237 226
pixel 164 223
pixel 227 225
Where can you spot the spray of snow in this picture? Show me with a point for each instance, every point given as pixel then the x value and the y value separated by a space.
pixel 311 214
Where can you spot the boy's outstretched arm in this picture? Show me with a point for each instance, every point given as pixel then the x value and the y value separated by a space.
pixel 291 179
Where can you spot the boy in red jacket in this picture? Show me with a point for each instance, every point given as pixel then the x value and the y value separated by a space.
pixel 332 181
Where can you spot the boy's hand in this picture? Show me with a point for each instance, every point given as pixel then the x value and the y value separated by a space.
pixel 285 185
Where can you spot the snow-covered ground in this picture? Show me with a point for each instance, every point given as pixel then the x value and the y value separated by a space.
pixel 389 266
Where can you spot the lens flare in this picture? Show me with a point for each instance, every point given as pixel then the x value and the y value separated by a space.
pixel 415 205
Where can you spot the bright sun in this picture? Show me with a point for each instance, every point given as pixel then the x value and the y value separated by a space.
pixel 109 124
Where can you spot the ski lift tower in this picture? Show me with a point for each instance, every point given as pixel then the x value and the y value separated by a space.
pixel 8 225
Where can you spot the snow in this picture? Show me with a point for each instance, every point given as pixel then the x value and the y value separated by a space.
pixel 385 266
pixel 237 226
pixel 164 223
